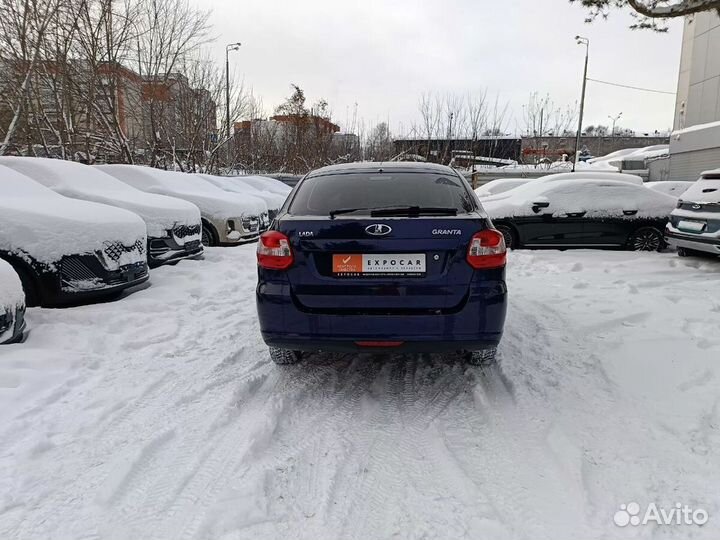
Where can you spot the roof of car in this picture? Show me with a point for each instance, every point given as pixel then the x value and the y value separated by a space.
pixel 385 166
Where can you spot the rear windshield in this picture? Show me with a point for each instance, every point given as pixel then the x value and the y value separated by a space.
pixel 705 190
pixel 320 195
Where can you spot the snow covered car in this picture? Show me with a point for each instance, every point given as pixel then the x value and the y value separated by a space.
pixel 579 176
pixel 582 213
pixel 227 219
pixel 502 185
pixel 233 184
pixel 265 183
pixel 381 257
pixel 694 225
pixel 676 189
pixel 173 225
pixel 66 250
pixel 12 305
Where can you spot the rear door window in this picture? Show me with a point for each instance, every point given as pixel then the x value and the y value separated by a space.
pixel 319 195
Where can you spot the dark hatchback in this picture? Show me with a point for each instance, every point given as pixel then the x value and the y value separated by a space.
pixel 382 257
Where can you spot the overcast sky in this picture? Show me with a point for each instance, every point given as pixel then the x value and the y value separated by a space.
pixel 383 54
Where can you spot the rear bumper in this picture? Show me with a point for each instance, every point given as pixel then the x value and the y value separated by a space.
pixel 689 241
pixel 476 325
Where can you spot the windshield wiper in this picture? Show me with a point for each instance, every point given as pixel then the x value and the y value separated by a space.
pixel 379 211
pixel 414 211
pixel 341 211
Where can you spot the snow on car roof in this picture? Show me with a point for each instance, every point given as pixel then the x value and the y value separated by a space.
pixel 79 181
pixel 501 185
pixel 60 174
pixel 11 291
pixel 233 184
pixel 589 174
pixel 592 196
pixel 37 221
pixel 674 188
pixel 211 200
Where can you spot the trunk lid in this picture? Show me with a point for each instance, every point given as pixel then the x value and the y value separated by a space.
pixel 383 284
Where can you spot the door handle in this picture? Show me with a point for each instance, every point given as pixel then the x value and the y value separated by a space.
pixel 630 212
pixel 575 214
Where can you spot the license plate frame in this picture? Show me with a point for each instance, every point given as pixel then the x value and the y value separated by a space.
pixel 692 226
pixel 375 265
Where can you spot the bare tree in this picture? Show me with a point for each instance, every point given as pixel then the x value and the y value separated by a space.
pixel 650 13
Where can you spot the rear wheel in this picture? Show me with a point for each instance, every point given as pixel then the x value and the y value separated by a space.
pixel 285 357
pixel 486 357
pixel 509 236
pixel 646 239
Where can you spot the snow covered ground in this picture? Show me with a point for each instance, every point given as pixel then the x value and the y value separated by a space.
pixel 161 416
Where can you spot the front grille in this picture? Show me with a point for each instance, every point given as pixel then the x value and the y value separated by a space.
pixel 86 272
pixel 78 269
pixel 115 250
pixel 250 224
pixel 192 246
pixel 183 231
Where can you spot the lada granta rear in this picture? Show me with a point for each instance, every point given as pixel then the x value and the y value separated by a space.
pixel 373 257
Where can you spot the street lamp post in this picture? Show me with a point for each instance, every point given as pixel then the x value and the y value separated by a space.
pixel 581 41
pixel 228 48
pixel 614 121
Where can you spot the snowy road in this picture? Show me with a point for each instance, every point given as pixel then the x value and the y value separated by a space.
pixel 161 416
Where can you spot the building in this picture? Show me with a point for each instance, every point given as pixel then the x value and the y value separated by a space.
pixel 695 142
pixel 178 116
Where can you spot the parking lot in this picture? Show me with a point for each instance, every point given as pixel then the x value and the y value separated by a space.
pixel 161 416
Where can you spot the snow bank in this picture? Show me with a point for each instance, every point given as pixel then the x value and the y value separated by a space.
pixel 234 184
pixel 78 181
pixel 45 225
pixel 597 198
pixel 212 201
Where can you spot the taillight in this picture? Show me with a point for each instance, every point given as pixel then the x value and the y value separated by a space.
pixel 487 250
pixel 273 251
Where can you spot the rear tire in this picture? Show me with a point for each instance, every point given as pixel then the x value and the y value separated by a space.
pixel 486 357
pixel 285 357
pixel 509 236
pixel 646 239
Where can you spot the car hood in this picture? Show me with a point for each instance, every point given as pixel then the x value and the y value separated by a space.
pixel 48 228
pixel 160 212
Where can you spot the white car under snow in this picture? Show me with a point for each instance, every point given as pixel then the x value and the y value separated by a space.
pixel 66 250
pixel 173 225
pixel 234 184
pixel 12 305
pixel 227 219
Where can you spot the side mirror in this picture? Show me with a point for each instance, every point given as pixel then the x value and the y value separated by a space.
pixel 537 206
